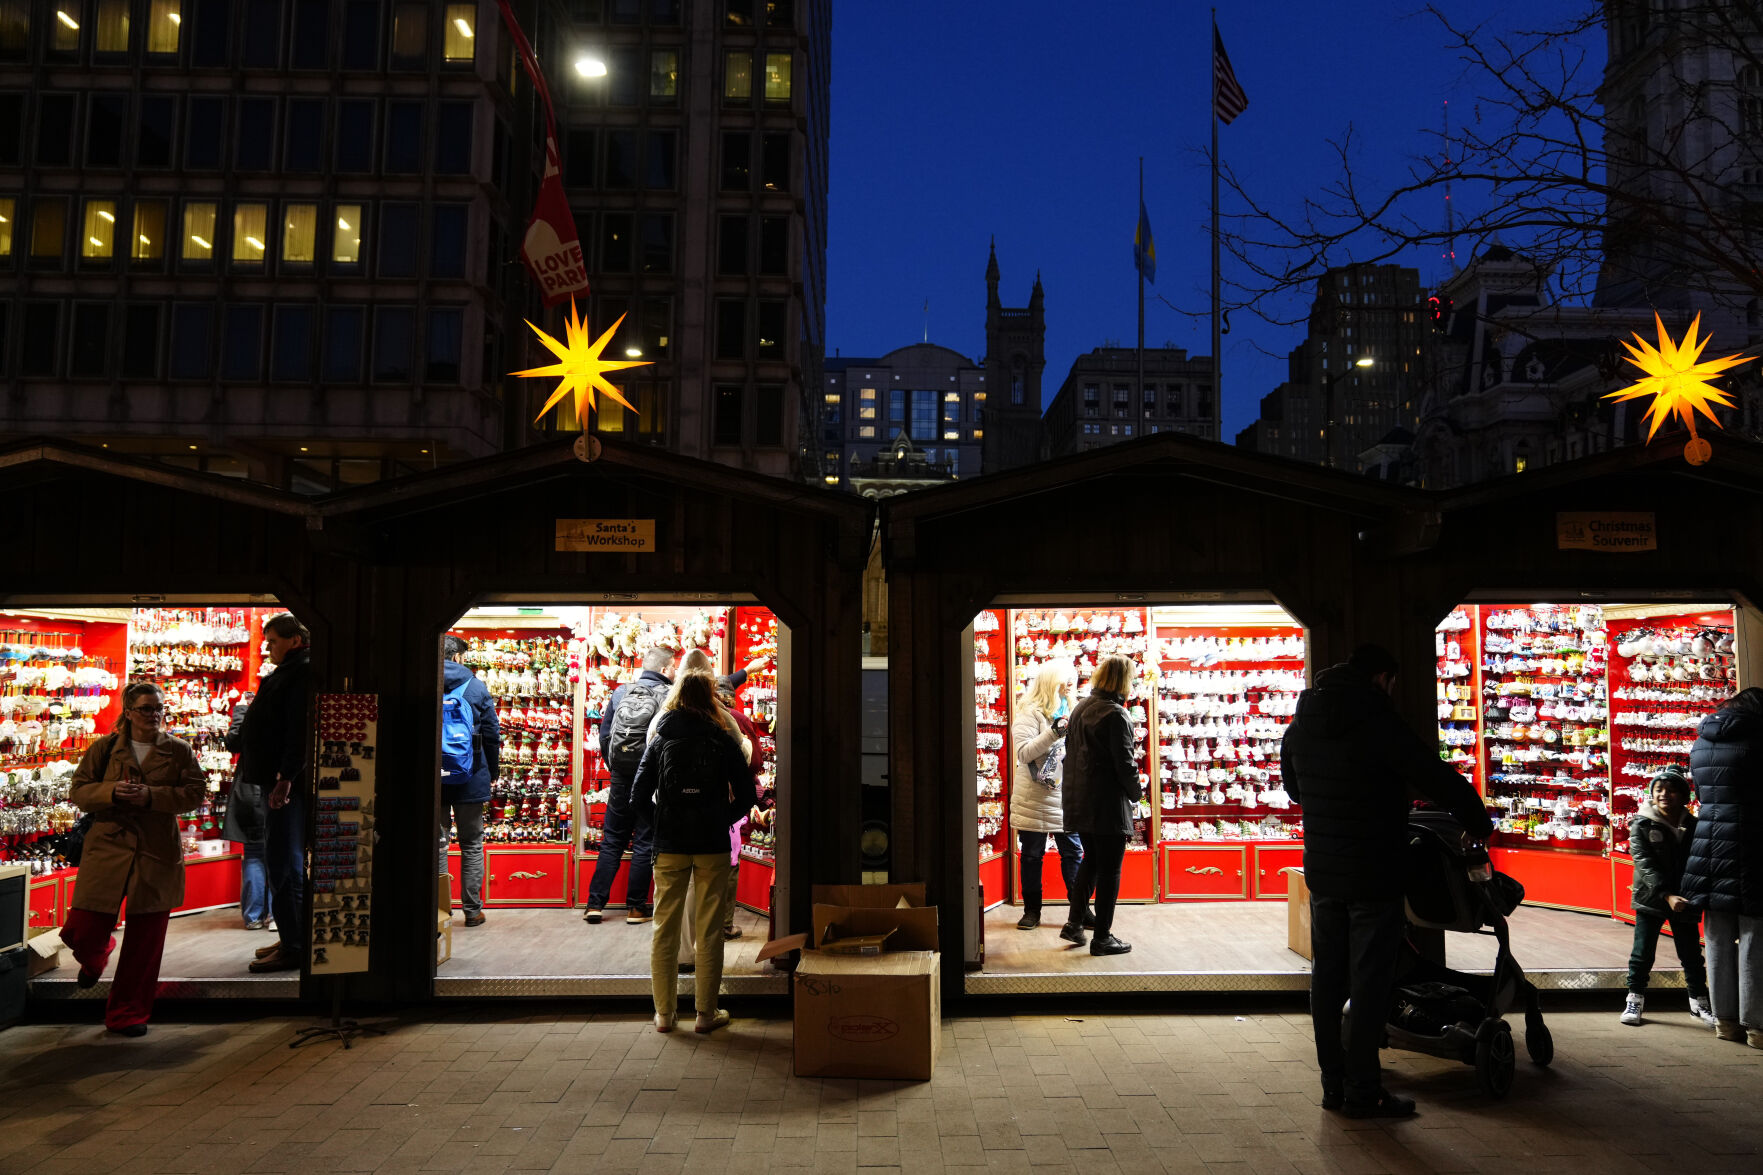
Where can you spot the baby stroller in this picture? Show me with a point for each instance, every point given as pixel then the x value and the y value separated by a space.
pixel 1451 885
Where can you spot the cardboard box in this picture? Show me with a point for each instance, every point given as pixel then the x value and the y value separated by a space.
pixel 868 1016
pixel 867 990
pixel 1298 913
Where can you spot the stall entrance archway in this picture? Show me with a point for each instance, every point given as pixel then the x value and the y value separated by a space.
pixel 550 667
pixel 63 663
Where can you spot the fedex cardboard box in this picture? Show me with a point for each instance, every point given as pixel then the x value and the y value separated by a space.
pixel 867 990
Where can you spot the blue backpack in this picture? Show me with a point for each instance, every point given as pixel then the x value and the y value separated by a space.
pixel 458 733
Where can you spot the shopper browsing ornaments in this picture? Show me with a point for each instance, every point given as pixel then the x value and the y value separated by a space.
pixel 246 818
pixel 693 782
pixel 1724 874
pixel 1036 796
pixel 1099 792
pixel 624 733
pixel 1659 839
pixel 1351 761
pixel 471 744
pixel 275 741
pixel 134 783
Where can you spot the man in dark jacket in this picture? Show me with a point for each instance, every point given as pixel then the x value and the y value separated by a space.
pixel 275 741
pixel 1724 874
pixel 1100 788
pixel 466 795
pixel 1351 762
pixel 641 700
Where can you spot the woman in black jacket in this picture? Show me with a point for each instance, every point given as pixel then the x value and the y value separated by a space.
pixel 1724 876
pixel 696 782
pixel 1101 788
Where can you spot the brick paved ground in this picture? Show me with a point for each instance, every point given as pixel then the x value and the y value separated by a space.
pixel 492 1091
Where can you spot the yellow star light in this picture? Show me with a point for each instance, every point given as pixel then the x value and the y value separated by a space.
pixel 579 368
pixel 1678 383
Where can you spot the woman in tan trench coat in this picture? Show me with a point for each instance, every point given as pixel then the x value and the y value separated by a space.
pixel 134 782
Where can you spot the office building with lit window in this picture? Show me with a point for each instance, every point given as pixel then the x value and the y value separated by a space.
pixel 694 151
pixel 915 416
pixel 265 238
pixel 1102 402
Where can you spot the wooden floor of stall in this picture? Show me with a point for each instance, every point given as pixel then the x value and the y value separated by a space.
pixel 206 954
pixel 1237 942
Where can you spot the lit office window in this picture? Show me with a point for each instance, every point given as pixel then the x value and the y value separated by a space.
pixel 250 234
pixel 98 231
pixel 15 29
pixel 299 234
pixel 66 35
pixel 113 26
pixel 664 75
pixel 737 77
pixel 346 247
pixel 459 37
pixel 165 25
pixel 777 77
pixel 198 243
pixel 8 210
pixel 149 234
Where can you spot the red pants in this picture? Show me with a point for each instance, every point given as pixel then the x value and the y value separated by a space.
pixel 87 934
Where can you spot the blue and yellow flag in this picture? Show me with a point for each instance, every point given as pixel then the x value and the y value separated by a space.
pixel 1144 249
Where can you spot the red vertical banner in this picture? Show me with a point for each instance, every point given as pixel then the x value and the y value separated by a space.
pixel 551 248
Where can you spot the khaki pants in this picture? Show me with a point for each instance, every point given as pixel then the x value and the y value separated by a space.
pixel 674 873
pixel 688 937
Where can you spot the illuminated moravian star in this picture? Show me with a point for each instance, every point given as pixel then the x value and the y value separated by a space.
pixel 579 368
pixel 1675 379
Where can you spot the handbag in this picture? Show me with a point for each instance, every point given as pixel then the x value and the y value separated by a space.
pixel 73 842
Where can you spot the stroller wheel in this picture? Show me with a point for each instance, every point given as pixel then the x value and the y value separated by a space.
pixel 1539 1042
pixel 1495 1061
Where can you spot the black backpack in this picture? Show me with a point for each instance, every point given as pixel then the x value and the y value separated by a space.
pixel 692 790
pixel 630 726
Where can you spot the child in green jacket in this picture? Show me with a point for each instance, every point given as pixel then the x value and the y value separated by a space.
pixel 1659 840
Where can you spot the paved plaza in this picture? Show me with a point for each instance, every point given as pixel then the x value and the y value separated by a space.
pixel 490 1089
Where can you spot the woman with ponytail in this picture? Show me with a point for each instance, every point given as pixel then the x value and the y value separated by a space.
pixel 134 782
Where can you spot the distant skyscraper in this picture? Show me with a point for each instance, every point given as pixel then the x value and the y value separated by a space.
pixel 929 396
pixel 1100 402
pixel 697 171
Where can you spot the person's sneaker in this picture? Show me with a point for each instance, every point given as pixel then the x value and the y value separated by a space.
pixel 1332 1097
pixel 664 1021
pixel 591 917
pixel 637 915
pixel 276 960
pixel 1028 922
pixel 1072 933
pixel 1754 1037
pixel 1702 1010
pixel 710 1023
pixel 1729 1030
pixel 730 933
pixel 1107 944
pixel 1387 1105
pixel 87 979
pixel 476 919
pixel 129 1030
pixel 1631 1011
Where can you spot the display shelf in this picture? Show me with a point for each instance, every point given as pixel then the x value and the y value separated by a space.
pixel 1545 731
pixel 1668 671
pixel 1225 694
pixel 1457 674
pixel 527 673
pixel 994 755
pixel 753 639
pixel 60 689
pixel 1081 638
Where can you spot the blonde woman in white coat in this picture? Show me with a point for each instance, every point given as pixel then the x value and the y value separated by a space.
pixel 1038 734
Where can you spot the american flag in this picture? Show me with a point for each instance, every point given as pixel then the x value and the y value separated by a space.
pixel 1228 99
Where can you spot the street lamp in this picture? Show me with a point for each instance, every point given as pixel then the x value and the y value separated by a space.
pixel 1328 383
pixel 590 65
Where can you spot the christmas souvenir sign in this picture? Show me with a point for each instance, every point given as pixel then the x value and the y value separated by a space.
pixel 343 837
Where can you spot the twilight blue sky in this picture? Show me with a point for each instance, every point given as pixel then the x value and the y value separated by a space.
pixel 1025 119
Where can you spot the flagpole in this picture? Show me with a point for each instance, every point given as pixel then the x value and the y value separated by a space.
pixel 1217 356
pixel 1143 246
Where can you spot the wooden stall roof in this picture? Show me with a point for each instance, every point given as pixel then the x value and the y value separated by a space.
pixel 1737 464
pixel 1175 453
pixel 35 460
pixel 537 464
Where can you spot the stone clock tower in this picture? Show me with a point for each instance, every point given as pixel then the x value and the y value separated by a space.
pixel 1015 355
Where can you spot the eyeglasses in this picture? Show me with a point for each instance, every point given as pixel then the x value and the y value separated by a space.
pixel 148 709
